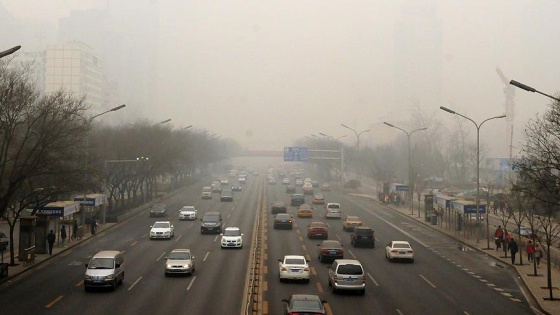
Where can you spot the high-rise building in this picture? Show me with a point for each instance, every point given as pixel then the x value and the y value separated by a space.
pixel 77 69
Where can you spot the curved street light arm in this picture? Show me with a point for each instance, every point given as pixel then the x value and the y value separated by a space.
pixel 105 112
pixel 10 51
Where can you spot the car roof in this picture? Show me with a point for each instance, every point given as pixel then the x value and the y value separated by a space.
pixel 279 203
pixel 294 256
pixel 363 228
pixel 348 262
pixel 163 222
pixel 283 215
pixel 106 254
pixel 181 250
pixel 317 223
pixel 232 228
pixel 400 242
pixel 311 297
pixel 352 217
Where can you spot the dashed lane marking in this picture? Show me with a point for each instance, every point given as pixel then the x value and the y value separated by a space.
pixel 54 301
pixel 191 283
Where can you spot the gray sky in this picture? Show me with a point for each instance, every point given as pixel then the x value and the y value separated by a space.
pixel 268 72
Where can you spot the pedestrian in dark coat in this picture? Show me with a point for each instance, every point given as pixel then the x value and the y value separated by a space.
pixel 50 239
pixel 513 249
pixel 63 235
pixel 75 230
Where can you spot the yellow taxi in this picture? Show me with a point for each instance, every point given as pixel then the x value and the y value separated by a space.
pixel 351 222
pixel 305 211
pixel 318 199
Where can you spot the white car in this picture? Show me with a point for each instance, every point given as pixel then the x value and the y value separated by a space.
pixel 294 267
pixel 285 181
pixel 399 250
pixel 232 238
pixel 187 213
pixel 179 261
pixel 162 229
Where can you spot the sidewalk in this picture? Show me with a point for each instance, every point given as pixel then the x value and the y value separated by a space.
pixel 537 286
pixel 22 267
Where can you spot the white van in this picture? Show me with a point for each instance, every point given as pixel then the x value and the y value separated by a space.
pixel 332 211
pixel 104 270
pixel 206 192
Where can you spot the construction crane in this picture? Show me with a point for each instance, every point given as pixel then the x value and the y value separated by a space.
pixel 509 92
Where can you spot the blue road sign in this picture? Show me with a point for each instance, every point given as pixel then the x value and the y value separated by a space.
pixel 296 154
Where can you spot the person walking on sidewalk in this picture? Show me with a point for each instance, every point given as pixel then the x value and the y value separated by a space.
pixel 499 237
pixel 513 249
pixel 50 239
pixel 538 254
pixel 530 250
pixel 63 235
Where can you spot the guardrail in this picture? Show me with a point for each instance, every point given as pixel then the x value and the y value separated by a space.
pixel 253 302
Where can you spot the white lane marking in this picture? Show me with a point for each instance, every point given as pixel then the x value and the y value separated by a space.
pixel 399 311
pixel 135 282
pixel 352 254
pixel 216 238
pixel 191 283
pixel 338 236
pixel 160 256
pixel 206 256
pixel 178 238
pixel 371 277
pixel 421 276
pixel 396 227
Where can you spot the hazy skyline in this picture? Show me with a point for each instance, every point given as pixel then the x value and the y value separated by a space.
pixel 267 72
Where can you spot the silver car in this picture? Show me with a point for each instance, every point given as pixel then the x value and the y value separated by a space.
pixel 179 261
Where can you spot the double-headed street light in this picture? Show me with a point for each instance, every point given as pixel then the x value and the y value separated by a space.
pixel 530 89
pixel 410 181
pixel 477 169
pixel 358 134
pixel 89 121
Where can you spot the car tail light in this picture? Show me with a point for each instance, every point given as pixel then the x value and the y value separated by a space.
pixel 394 251
pixel 410 251
pixel 306 269
pixel 284 269
pixel 324 251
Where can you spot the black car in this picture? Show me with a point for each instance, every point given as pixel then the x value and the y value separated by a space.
pixel 297 200
pixel 363 236
pixel 283 221
pixel 304 304
pixel 290 189
pixel 226 195
pixel 158 210
pixel 329 250
pixel 278 207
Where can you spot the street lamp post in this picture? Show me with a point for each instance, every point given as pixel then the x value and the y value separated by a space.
pixel 410 181
pixel 358 134
pixel 10 51
pixel 530 89
pixel 477 168
pixel 89 121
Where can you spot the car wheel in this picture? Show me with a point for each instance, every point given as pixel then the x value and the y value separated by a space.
pixel 114 285
pixel 330 284
pixel 166 275
pixel 334 290
pixel 411 260
pixel 307 280
pixel 122 279
pixel 362 292
pixel 86 289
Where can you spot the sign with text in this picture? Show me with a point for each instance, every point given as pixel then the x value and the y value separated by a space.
pixel 296 154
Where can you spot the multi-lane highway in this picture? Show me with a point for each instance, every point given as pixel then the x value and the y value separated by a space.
pixel 442 280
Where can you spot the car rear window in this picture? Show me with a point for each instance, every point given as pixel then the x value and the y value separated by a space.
pixel 211 218
pixel 397 245
pixel 350 270
pixel 295 261
pixel 306 305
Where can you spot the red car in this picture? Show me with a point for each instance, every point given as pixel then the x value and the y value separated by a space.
pixel 317 230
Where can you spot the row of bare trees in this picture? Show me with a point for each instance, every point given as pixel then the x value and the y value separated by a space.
pixel 50 150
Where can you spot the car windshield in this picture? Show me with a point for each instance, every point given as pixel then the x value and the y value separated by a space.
pixel 294 261
pixel 101 263
pixel 350 270
pixel 211 218
pixel 401 245
pixel 306 305
pixel 232 233
pixel 161 225
pixel 179 256
pixel 331 244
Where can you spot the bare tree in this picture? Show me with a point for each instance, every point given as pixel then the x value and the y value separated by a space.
pixel 39 137
pixel 538 176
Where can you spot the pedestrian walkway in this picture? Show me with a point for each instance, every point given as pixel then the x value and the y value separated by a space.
pixel 22 267
pixel 537 285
